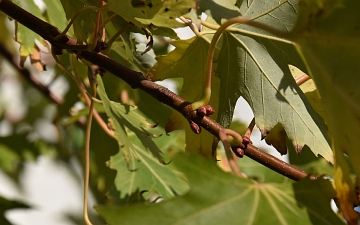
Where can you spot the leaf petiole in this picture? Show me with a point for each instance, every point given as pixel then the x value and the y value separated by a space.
pixel 240 20
pixel 236 141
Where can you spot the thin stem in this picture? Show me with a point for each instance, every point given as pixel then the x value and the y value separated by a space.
pixel 75 78
pixel 87 158
pixel 74 18
pixel 242 20
pixel 87 132
pixel 110 18
pixel 90 99
pixel 191 25
pixel 223 135
pixel 97 117
pixel 250 128
pixel 241 31
pixel 114 37
pixel 97 26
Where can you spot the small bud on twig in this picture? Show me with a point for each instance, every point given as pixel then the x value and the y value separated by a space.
pixel 201 111
pixel 195 127
pixel 209 110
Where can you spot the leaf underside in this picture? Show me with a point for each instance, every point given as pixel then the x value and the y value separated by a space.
pixel 255 65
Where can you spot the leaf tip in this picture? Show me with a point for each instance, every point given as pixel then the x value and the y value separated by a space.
pixel 264 133
pixel 298 148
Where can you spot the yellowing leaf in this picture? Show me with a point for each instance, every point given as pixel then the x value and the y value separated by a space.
pixel 310 91
pixel 35 59
pixel 345 190
pixel 24 36
pixel 277 138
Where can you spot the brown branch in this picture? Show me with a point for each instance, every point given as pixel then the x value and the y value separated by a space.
pixel 275 164
pixel 137 80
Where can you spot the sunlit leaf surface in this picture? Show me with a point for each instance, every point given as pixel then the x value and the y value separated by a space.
pixel 148 13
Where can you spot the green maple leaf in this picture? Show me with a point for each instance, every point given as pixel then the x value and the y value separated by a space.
pixel 157 13
pixel 55 8
pixel 84 24
pixel 123 117
pixel 254 65
pixel 218 9
pixel 139 163
pixel 217 197
pixel 147 174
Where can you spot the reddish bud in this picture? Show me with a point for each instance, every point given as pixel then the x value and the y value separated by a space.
pixel 209 110
pixel 201 111
pixel 194 127
pixel 246 140
pixel 239 152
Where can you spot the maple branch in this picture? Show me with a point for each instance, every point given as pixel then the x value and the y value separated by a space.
pixel 137 80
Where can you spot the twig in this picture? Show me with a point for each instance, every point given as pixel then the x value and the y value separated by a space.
pixel 191 26
pixel 250 128
pixel 114 37
pixel 97 117
pixel 275 164
pixel 137 80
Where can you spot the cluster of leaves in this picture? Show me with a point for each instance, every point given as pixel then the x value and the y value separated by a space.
pixel 130 166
